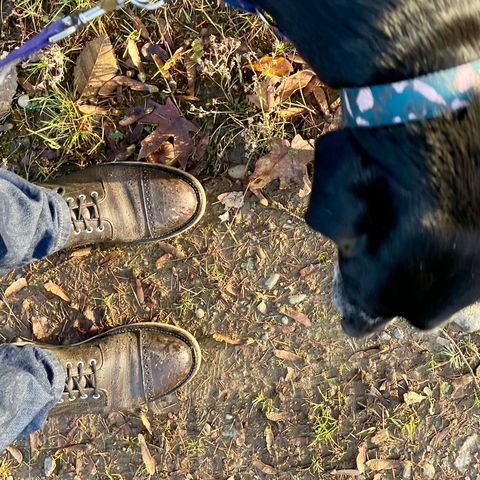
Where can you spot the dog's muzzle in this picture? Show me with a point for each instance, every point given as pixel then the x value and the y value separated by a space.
pixel 355 322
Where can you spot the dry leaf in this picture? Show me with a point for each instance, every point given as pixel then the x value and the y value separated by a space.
pixel 148 460
pixel 161 261
pixel 8 87
pixel 349 472
pixel 172 127
pixel 381 437
pixel 55 289
pixel 286 162
pixel 146 422
pixel 269 439
pixel 15 287
pixel 285 355
pixel 263 467
pixel 232 200
pixel 232 341
pixel 276 90
pixel 40 327
pixel 299 317
pixel 81 252
pixel 168 248
pixel 170 63
pixel 110 88
pixel 361 458
pixel 92 110
pixel 411 398
pixel 16 454
pixel 273 66
pixel 139 290
pixel 95 66
pixel 134 55
pixel 277 416
pixel 377 465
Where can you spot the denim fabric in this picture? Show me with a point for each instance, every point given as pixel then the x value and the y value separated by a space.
pixel 34 222
pixel 31 383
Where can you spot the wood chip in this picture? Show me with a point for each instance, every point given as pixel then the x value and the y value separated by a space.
pixel 219 337
pixel 148 459
pixel 361 458
pixel 16 454
pixel 263 467
pixel 146 422
pixel 56 290
pixel 278 416
pixel 15 287
pixel 269 439
pixel 81 252
pixel 379 464
pixel 140 294
pixel 299 317
pixel 168 248
pixel 161 261
pixel 285 355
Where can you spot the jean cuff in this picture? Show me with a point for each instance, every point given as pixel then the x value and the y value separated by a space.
pixel 65 222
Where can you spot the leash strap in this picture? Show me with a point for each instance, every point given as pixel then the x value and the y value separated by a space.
pixel 421 98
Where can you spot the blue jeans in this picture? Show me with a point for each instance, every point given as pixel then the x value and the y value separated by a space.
pixel 34 223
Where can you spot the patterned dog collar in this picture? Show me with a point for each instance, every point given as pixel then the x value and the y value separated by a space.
pixel 421 98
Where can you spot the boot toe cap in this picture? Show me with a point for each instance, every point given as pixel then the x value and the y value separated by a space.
pixel 174 202
pixel 169 361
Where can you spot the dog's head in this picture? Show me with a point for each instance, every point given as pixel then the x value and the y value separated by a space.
pixel 399 253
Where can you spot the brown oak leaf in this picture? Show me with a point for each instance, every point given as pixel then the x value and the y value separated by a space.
pixel 172 128
pixel 286 162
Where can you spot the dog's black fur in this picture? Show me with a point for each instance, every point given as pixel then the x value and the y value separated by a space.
pixel 402 203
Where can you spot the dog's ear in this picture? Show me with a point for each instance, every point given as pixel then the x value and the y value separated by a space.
pixel 351 200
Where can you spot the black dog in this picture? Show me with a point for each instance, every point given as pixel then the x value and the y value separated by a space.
pixel 402 203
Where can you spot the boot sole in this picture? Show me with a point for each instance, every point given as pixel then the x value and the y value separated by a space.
pixel 165 328
pixel 186 177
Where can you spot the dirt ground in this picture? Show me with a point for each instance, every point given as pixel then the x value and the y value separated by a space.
pixel 282 392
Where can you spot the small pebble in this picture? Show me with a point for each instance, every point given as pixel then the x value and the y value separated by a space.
pixel 23 101
pixel 285 320
pixel 385 337
pixel 296 299
pixel 200 313
pixel 272 281
pixel 228 417
pixel 237 172
pixel 49 466
pixel 262 307
pixel 397 333
pixel 207 429
pixel 428 471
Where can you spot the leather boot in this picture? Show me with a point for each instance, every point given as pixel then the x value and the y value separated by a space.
pixel 129 202
pixel 124 368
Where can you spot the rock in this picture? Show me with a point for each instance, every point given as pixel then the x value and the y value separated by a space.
pixel 428 471
pixel 385 337
pixel 238 172
pixel 397 333
pixel 272 281
pixel 23 101
pixel 228 417
pixel 207 429
pixel 296 299
pixel 443 342
pixel 49 466
pixel 200 313
pixel 262 307
pixel 468 319
pixel 285 320
pixel 464 459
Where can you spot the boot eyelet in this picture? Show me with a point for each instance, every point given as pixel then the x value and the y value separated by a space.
pixel 82 197
pixel 69 365
pixel 60 190
pixel 84 397
pixel 89 230
pixel 60 401
pixel 92 362
pixel 101 229
pixel 77 232
pixel 69 200
pixel 96 397
pixel 94 194
pixel 79 364
pixel 71 399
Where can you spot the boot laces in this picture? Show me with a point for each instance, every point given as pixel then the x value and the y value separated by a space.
pixel 78 381
pixel 83 212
